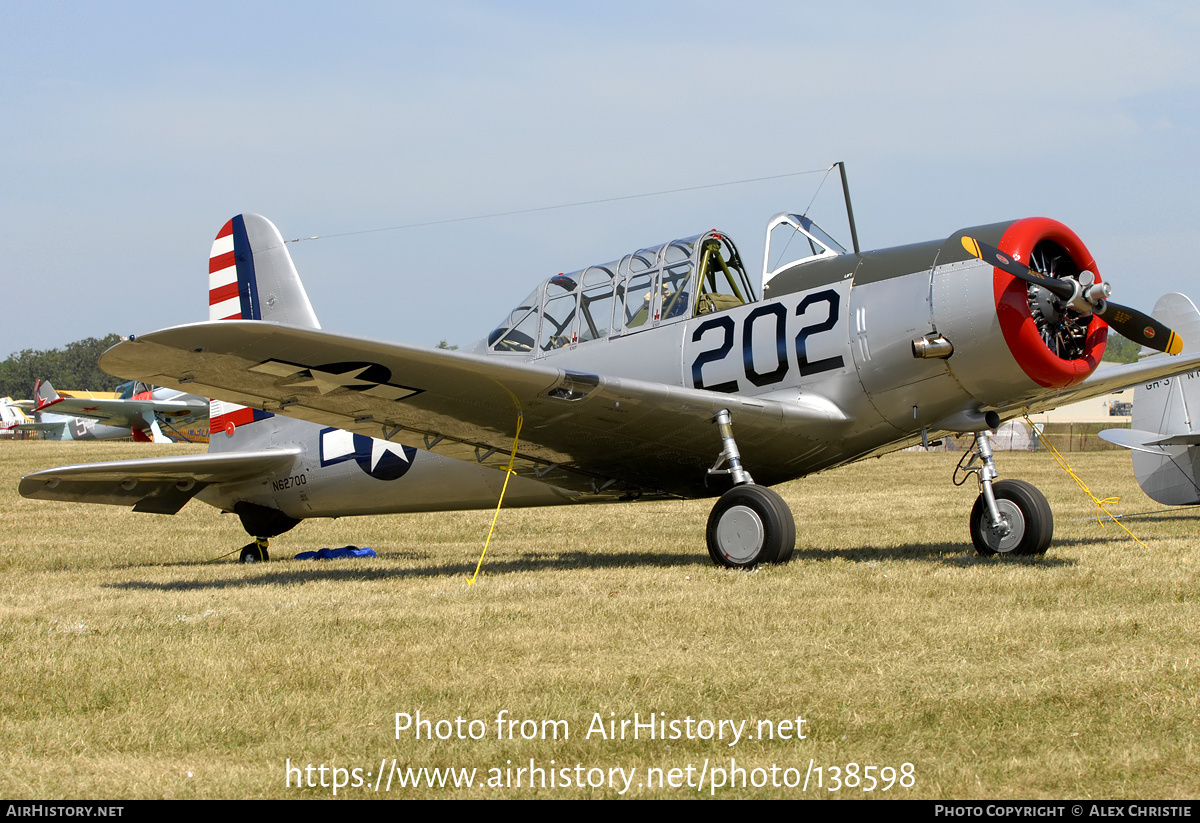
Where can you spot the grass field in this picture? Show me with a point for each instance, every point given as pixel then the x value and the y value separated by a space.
pixel 133 667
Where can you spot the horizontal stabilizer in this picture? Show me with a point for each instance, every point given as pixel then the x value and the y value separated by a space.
pixel 1192 439
pixel 158 484
pixel 40 427
pixel 1137 440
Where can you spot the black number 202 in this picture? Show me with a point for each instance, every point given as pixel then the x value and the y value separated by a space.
pixel 830 298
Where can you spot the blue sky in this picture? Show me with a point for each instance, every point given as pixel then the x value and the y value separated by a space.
pixel 130 132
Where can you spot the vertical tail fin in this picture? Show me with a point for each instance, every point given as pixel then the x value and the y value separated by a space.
pixel 251 277
pixel 44 393
pixel 1172 405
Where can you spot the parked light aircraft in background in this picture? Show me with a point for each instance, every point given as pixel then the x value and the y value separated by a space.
pixel 12 414
pixel 138 410
pixel 665 373
pixel 1165 436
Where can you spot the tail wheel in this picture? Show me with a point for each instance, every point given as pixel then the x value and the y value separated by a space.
pixel 750 525
pixel 255 552
pixel 1028 521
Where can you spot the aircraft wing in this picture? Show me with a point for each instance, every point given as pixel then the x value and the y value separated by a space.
pixel 127 414
pixel 158 484
pixel 587 432
pixel 38 427
pixel 1104 381
pixel 1177 312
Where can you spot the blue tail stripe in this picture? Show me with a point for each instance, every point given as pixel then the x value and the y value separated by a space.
pixel 247 282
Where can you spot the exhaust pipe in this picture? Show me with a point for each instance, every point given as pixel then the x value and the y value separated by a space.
pixel 931 346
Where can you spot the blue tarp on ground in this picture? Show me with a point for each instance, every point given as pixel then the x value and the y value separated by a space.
pixel 335 554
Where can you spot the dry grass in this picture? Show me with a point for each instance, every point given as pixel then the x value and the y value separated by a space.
pixel 134 668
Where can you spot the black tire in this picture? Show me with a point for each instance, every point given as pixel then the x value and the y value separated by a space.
pixel 253 553
pixel 750 525
pixel 1026 510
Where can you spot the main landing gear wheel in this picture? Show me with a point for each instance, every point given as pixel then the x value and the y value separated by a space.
pixel 255 552
pixel 750 525
pixel 1029 523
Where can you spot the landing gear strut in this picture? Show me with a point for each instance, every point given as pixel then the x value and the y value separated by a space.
pixel 750 523
pixel 1009 516
pixel 263 522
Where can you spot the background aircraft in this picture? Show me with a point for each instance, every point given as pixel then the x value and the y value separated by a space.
pixel 628 380
pixel 138 410
pixel 1165 435
pixel 12 414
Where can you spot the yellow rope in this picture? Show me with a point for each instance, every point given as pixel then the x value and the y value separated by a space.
pixel 508 472
pixel 262 544
pixel 1100 504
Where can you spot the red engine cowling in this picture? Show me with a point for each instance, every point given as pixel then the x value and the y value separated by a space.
pixel 1055 348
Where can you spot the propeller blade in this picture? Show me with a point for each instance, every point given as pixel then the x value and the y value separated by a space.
pixel 1000 260
pixel 1140 328
pixel 1131 323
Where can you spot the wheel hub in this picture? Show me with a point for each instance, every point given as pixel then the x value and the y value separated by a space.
pixel 1007 536
pixel 740 533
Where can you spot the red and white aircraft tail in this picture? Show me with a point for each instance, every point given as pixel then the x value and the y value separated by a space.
pixel 251 277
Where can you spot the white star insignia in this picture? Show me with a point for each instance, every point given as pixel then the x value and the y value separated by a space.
pixel 379 448
pixel 325 382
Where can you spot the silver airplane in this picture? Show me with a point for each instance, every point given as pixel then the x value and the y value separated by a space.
pixel 1165 436
pixel 665 373
pixel 144 413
